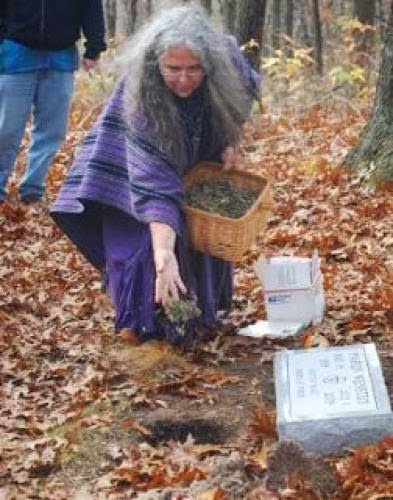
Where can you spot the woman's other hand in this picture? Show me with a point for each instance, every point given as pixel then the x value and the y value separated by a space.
pixel 229 157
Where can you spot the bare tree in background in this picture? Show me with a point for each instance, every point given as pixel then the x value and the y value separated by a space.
pixel 289 26
pixel 126 13
pixel 375 147
pixel 148 8
pixel 340 7
pixel 251 21
pixel 208 6
pixel 305 36
pixel 110 17
pixel 276 24
pixel 318 43
pixel 381 18
pixel 289 19
pixel 365 12
pixel 228 13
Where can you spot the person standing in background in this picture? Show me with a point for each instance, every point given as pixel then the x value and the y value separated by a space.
pixel 38 58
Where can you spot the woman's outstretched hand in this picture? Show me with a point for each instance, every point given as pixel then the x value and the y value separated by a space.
pixel 169 285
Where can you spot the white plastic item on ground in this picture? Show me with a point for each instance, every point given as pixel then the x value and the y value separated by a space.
pixel 293 288
pixel 263 328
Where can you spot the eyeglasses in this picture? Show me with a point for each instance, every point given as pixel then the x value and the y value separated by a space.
pixel 175 72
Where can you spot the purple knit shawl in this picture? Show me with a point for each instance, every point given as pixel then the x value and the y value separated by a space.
pixel 129 174
pixel 113 168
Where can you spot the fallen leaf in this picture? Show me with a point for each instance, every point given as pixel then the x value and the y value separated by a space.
pixel 213 494
pixel 132 424
pixel 314 340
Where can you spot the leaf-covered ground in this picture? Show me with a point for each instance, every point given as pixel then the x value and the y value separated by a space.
pixel 84 414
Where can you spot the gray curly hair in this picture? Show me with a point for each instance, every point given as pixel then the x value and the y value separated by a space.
pixel 225 93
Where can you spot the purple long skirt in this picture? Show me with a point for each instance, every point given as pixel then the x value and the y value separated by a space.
pixel 130 278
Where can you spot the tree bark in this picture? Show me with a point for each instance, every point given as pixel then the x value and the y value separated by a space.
pixel 304 22
pixel 251 21
pixel 289 26
pixel 126 17
pixel 208 6
pixel 133 15
pixel 148 8
pixel 374 150
pixel 318 43
pixel 289 19
pixel 110 18
pixel 380 17
pixel 144 11
pixel 341 7
pixel 228 12
pixel 365 12
pixel 276 24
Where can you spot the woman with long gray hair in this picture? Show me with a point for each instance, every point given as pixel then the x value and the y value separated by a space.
pixel 183 98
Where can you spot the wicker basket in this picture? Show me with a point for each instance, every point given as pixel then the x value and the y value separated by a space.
pixel 220 236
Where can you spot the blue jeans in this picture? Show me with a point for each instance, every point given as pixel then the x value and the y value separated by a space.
pixel 47 95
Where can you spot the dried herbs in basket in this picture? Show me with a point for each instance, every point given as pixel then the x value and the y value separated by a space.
pixel 220 197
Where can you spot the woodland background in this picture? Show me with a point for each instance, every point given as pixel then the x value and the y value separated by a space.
pixel 277 23
pixel 84 415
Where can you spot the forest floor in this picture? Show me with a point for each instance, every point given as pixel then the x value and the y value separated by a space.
pixel 84 414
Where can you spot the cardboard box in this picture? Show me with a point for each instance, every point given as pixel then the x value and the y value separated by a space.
pixel 293 288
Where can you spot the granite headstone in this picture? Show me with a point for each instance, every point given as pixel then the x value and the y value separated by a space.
pixel 332 398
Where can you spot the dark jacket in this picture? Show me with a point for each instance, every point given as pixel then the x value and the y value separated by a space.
pixel 54 24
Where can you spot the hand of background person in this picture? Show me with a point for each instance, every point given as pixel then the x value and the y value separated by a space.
pixel 88 64
pixel 169 285
pixel 230 157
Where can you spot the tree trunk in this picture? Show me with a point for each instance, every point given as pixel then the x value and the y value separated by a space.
pixel 228 13
pixel 380 17
pixel 341 7
pixel 144 11
pixel 251 21
pixel 148 8
pixel 289 19
pixel 208 6
pixel 331 28
pixel 110 18
pixel 374 150
pixel 365 12
pixel 276 24
pixel 126 17
pixel 305 36
pixel 318 37
pixel 132 17
pixel 289 27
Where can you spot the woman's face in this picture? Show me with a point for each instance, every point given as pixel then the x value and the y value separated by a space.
pixel 181 70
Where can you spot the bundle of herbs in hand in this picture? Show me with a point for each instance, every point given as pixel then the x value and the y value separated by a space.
pixel 179 320
pixel 220 197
